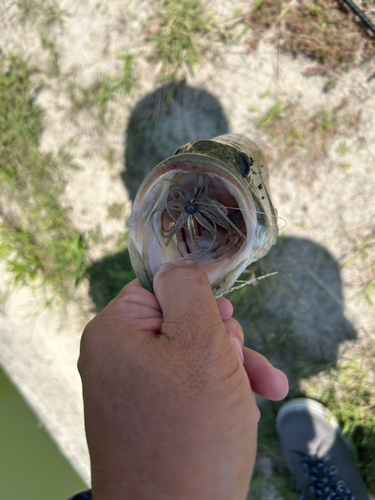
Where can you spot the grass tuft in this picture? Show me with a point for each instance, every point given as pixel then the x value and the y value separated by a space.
pixel 177 29
pixel 97 95
pixel 46 13
pixel 350 397
pixel 304 140
pixel 324 31
pixel 37 239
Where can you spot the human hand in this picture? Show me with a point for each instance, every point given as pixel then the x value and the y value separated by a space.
pixel 169 409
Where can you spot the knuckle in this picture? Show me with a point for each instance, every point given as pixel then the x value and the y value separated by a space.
pixel 234 329
pixel 85 349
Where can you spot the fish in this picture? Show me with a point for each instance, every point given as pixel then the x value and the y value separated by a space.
pixel 209 206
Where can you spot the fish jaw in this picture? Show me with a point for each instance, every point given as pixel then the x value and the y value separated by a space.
pixel 148 251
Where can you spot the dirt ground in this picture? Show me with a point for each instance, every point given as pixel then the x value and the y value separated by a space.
pixel 317 312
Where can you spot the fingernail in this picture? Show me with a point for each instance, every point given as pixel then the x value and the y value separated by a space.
pixel 258 413
pixel 237 348
pixel 167 266
pixel 162 269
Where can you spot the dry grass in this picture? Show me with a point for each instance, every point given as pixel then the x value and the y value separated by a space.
pixel 324 31
pixel 347 390
pixel 305 140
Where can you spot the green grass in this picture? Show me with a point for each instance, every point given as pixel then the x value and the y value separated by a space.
pixel 303 140
pixel 46 13
pixel 97 95
pixel 275 111
pixel 177 29
pixel 369 289
pixel 350 397
pixel 37 239
pixel 53 62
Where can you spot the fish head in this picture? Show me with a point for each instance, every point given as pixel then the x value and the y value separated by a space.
pixel 206 206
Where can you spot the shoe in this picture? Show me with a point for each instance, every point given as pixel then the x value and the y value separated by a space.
pixel 317 453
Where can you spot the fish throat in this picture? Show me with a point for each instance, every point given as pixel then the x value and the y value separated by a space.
pixel 199 217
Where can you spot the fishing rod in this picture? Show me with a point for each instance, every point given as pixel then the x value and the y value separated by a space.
pixel 360 14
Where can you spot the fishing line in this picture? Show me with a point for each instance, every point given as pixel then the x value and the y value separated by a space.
pixel 183 200
pixel 210 205
pixel 246 210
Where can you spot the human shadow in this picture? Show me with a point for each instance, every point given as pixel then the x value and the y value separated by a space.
pixel 107 276
pixel 296 318
pixel 164 120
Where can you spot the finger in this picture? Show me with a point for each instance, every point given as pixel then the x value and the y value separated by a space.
pixel 234 329
pixel 133 297
pixel 189 308
pixel 235 333
pixel 225 308
pixel 134 292
pixel 267 381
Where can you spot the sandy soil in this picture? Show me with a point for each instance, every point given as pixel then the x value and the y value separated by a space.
pixel 329 209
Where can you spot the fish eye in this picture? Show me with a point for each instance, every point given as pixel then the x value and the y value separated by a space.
pixel 244 164
pixel 202 144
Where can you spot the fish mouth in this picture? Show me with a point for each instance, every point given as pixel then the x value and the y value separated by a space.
pixel 193 211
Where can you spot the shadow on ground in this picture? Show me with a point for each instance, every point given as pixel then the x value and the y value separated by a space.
pixel 295 318
pixel 164 120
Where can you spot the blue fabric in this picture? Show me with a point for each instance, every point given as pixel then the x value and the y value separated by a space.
pixel 83 495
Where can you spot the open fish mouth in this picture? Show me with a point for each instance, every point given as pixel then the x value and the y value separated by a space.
pixel 194 210
pixel 201 217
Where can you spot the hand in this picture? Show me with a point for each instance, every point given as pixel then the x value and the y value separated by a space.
pixel 169 409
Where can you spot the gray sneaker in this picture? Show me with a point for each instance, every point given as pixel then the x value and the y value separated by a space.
pixel 317 453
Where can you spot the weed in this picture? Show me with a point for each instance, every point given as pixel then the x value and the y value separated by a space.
pixel 304 140
pixel 257 5
pixel 343 148
pixel 265 94
pixel 116 211
pixel 52 15
pixel 53 68
pixel 95 236
pixel 45 13
pixel 37 239
pixel 176 30
pixel 275 111
pixel 350 397
pixel 362 252
pixel 370 287
pixel 97 95
pixel 321 30
pixel 29 10
pixel 110 156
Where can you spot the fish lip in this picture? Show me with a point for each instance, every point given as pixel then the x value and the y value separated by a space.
pixel 192 162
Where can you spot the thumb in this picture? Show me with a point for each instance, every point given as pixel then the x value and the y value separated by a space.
pixel 189 308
